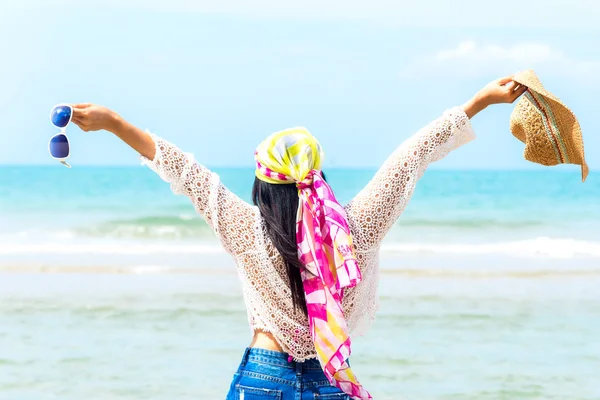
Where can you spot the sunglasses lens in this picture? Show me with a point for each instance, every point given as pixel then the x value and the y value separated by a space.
pixel 61 115
pixel 59 146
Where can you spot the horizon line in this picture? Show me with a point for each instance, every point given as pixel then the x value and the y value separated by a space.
pixel 532 168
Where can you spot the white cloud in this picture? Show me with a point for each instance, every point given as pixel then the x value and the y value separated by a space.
pixel 474 59
pixel 431 13
pixel 489 53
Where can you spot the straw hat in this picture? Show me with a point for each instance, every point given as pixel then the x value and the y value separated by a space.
pixel 548 128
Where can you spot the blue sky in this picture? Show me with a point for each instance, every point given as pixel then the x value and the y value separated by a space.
pixel 215 77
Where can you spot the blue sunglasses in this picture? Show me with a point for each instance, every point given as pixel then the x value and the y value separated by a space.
pixel 60 116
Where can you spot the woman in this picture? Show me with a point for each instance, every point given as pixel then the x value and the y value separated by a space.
pixel 308 266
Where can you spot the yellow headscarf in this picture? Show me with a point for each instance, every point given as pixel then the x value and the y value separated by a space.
pixel 288 156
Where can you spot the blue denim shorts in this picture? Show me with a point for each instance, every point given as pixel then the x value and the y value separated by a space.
pixel 268 375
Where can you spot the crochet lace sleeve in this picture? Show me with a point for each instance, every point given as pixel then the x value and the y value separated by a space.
pixel 376 208
pixel 228 215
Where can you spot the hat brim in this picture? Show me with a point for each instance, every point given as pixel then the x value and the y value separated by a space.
pixel 529 79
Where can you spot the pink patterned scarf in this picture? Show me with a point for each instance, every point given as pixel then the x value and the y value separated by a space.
pixel 324 247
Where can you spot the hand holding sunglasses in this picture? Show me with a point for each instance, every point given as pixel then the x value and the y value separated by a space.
pixel 92 117
pixel 88 117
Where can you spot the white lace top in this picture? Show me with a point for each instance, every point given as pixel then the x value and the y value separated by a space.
pixel 370 215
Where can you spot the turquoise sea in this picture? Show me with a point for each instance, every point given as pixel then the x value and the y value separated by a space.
pixel 113 288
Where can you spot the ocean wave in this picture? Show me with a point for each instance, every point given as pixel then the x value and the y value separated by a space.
pixel 555 248
pixel 521 272
pixel 108 248
pixel 559 248
pixel 191 226
pixel 182 226
pixel 469 223
pixel 186 226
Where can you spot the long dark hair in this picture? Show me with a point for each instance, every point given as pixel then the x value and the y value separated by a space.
pixel 278 205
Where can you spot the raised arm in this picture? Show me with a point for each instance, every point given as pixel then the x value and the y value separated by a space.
pixel 377 207
pixel 226 213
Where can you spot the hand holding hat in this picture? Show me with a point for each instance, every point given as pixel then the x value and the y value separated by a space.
pixel 503 90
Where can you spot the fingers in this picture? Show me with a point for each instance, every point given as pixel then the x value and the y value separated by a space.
pixel 81 105
pixel 518 92
pixel 80 112
pixel 81 124
pixel 505 80
pixel 511 86
pixel 79 109
pixel 80 118
pixel 513 90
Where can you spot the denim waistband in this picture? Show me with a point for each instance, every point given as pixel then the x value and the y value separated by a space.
pixel 283 360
